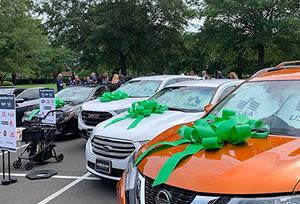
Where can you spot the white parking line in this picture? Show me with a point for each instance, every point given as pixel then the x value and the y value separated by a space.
pixel 57 193
pixel 57 176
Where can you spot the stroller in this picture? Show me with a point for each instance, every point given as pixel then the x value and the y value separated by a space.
pixel 40 139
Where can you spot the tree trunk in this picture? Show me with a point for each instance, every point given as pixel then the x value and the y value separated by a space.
pixel 261 55
pixel 13 78
pixel 123 64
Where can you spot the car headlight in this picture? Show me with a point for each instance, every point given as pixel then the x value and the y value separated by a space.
pixel 132 182
pixel 121 110
pixel 292 199
pixel 69 115
pixel 142 143
pixel 130 174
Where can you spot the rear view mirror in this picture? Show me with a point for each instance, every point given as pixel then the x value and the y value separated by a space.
pixel 208 107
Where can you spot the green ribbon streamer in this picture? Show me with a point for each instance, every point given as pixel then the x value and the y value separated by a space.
pixel 139 110
pixel 208 133
pixel 113 96
pixel 59 103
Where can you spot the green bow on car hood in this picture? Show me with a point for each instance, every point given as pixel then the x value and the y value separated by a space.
pixel 113 96
pixel 59 103
pixel 208 133
pixel 139 110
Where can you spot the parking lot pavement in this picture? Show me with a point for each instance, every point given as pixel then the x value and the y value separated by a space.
pixel 72 184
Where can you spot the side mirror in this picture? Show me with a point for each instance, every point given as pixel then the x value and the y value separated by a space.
pixel 208 107
pixel 20 100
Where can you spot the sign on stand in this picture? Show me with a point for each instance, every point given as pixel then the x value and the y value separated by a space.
pixel 8 133
pixel 47 103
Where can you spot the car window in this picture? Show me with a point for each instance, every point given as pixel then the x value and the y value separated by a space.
pixel 226 91
pixel 18 91
pixel 75 94
pixel 29 94
pixel 140 88
pixel 275 102
pixel 188 99
pixel 99 92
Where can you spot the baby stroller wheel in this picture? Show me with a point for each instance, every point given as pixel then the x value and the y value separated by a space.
pixel 59 157
pixel 17 164
pixel 28 166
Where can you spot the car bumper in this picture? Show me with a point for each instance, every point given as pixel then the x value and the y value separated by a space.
pixel 117 165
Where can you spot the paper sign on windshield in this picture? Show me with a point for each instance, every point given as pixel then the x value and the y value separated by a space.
pixel 47 103
pixel 8 123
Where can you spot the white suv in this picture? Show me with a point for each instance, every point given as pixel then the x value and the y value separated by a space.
pixel 108 149
pixel 95 112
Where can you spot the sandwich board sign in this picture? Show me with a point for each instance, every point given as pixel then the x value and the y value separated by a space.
pixel 8 135
pixel 47 103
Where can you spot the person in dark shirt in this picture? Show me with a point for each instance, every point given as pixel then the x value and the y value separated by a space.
pixel 59 82
pixel 94 78
pixel 220 75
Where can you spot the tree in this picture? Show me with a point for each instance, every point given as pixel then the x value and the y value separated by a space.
pixel 256 24
pixel 21 38
pixel 122 33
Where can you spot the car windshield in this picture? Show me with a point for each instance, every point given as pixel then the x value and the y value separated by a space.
pixel 275 102
pixel 140 88
pixel 5 91
pixel 187 99
pixel 75 94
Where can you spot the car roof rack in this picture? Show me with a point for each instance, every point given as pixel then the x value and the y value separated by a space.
pixel 289 64
pixel 283 65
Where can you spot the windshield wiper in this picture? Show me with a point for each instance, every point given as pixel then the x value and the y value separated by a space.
pixel 177 109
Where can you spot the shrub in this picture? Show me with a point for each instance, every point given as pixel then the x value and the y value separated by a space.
pixel 7 83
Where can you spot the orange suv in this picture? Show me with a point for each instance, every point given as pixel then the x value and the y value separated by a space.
pixel 258 171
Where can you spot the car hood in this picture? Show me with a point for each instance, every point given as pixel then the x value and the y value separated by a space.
pixel 97 105
pixel 147 129
pixel 69 107
pixel 262 166
pixel 27 103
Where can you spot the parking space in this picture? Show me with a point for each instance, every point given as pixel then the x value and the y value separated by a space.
pixel 72 184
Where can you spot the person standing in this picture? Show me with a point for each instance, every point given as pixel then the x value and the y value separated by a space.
pixel 77 80
pixel 232 75
pixel 59 82
pixel 220 75
pixel 105 79
pixel 94 78
pixel 115 82
pixel 204 75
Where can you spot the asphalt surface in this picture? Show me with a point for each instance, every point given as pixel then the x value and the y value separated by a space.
pixel 72 184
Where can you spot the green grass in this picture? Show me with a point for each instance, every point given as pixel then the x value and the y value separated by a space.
pixel 26 86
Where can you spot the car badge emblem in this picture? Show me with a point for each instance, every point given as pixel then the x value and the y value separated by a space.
pixel 91 116
pixel 163 197
pixel 107 148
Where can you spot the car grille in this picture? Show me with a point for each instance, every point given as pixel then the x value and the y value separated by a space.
pixel 112 148
pixel 92 118
pixel 178 196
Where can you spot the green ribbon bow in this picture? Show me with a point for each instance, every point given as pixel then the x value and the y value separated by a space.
pixel 208 133
pixel 113 96
pixel 59 103
pixel 139 110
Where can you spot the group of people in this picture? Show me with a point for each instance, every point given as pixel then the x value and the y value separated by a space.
pixel 115 81
pixel 205 75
